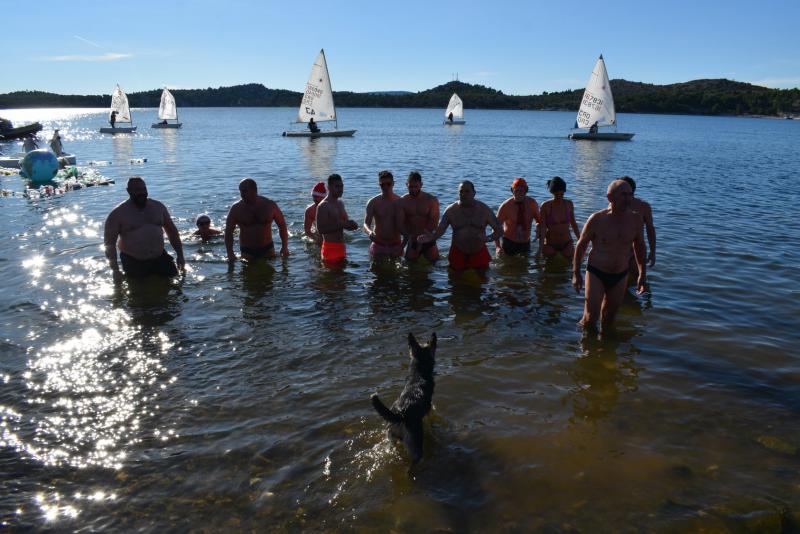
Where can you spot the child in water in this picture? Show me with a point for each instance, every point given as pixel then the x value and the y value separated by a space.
pixel 204 229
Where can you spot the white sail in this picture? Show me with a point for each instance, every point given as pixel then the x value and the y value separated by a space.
pixel 598 103
pixel 317 101
pixel 456 107
pixel 119 103
pixel 167 110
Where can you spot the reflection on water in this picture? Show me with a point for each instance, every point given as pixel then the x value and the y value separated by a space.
pixel 228 401
pixel 319 155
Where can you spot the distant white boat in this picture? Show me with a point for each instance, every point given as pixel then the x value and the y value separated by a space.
pixel 167 111
pixel 454 114
pixel 317 103
pixel 597 109
pixel 119 104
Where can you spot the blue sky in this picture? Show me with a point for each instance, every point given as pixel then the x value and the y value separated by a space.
pixel 85 47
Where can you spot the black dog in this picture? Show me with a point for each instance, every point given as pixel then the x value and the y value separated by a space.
pixel 414 403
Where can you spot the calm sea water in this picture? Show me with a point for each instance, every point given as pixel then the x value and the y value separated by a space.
pixel 241 400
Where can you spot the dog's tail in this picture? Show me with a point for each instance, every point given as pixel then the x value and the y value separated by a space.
pixel 383 411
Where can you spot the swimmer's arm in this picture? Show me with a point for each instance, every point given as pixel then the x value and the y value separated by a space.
pixel 230 226
pixel 498 248
pixel 283 231
pixel 440 230
pixel 541 229
pixel 174 238
pixel 111 233
pixel 572 221
pixel 647 212
pixel 639 253
pixel 368 220
pixel 580 249
pixel 308 225
pixel 496 226
pixel 400 220
pixel 433 214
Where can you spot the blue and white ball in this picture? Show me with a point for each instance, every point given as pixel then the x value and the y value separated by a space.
pixel 39 166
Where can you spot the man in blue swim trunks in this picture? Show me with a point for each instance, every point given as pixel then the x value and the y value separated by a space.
pixel 254 216
pixel 611 233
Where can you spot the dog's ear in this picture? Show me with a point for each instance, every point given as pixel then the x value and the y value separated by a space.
pixel 432 343
pixel 412 341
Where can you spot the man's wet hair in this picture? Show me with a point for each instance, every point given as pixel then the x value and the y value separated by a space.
pixel 414 176
pixel 467 182
pixel 385 174
pixel 250 183
pixel 334 178
pixel 630 181
pixel 556 184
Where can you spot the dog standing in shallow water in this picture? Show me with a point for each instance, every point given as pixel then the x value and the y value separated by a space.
pixel 414 403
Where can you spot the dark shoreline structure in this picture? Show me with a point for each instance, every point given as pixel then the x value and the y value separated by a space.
pixel 697 97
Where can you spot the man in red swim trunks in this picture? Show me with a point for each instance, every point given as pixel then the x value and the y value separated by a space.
pixel 332 221
pixel 385 210
pixel 469 219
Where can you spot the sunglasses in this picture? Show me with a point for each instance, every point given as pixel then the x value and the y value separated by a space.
pixel 203 223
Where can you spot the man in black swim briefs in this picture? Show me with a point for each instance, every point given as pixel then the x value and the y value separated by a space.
pixel 611 233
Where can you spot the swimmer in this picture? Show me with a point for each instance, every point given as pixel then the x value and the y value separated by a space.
pixel 332 220
pixel 611 232
pixel 254 215
pixel 557 219
pixel 137 226
pixel 517 215
pixel 640 206
pixel 384 210
pixel 469 219
pixel 204 228
pixel 310 219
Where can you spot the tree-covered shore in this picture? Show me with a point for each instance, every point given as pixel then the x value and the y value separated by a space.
pixel 697 97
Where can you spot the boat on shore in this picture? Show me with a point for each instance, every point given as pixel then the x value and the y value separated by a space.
pixel 317 104
pixel 597 109
pixel 119 106
pixel 454 114
pixel 9 133
pixel 167 111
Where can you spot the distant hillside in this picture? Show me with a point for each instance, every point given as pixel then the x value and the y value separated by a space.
pixel 697 97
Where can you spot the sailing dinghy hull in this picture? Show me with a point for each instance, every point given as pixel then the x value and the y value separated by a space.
pixel 604 136
pixel 159 125
pixel 327 133
pixel 120 129
pixel 454 123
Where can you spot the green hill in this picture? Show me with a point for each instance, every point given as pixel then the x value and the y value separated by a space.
pixel 697 97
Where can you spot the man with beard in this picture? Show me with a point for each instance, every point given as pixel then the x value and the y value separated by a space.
pixel 420 214
pixel 611 232
pixel 137 226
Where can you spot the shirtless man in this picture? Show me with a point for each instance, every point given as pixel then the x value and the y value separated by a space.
pixel 517 215
pixel 643 208
pixel 332 221
pixel 385 210
pixel 611 232
pixel 254 215
pixel 420 215
pixel 139 224
pixel 310 219
pixel 469 219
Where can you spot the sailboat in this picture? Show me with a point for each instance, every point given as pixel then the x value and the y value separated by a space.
pixel 456 108
pixel 597 108
pixel 317 103
pixel 119 104
pixel 167 111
